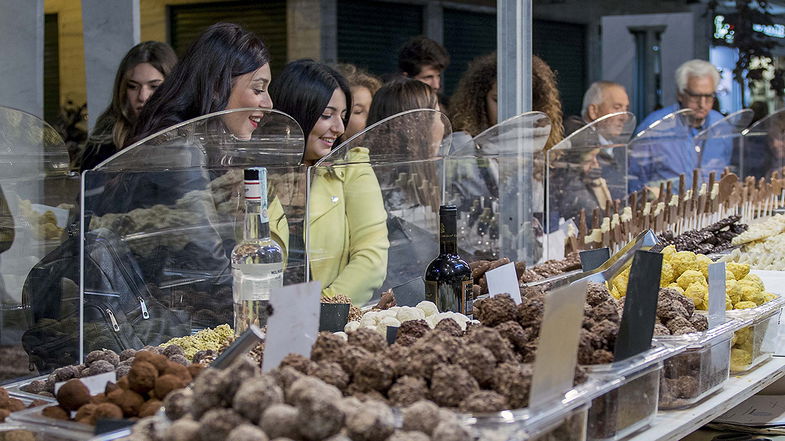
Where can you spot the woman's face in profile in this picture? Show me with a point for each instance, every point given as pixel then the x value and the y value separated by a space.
pixel 492 105
pixel 437 132
pixel 248 90
pixel 361 103
pixel 142 79
pixel 328 128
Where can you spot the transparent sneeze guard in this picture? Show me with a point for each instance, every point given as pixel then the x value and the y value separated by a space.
pixel 586 170
pixel 762 147
pixel 497 181
pixel 373 209
pixel 660 152
pixel 718 146
pixel 38 197
pixel 160 219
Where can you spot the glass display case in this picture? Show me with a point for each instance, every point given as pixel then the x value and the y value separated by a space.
pixel 586 171
pixel 719 146
pixel 497 181
pixel 38 196
pixel 762 147
pixel 373 209
pixel 161 217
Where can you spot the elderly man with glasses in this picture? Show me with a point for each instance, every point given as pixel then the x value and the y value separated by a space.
pixel 653 162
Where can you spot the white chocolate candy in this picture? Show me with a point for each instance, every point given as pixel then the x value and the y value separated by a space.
pixel 351 326
pixel 429 308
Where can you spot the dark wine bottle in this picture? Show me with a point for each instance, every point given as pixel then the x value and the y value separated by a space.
pixel 448 278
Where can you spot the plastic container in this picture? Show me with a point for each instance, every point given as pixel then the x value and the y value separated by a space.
pixel 15 389
pixel 54 430
pixel 755 343
pixel 10 430
pixel 701 369
pixel 632 404
pixel 563 419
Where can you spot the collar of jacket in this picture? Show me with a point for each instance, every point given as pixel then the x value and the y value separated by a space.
pixel 327 189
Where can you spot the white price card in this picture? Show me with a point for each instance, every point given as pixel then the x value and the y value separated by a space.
pixel 96 384
pixel 716 294
pixel 504 280
pixel 293 324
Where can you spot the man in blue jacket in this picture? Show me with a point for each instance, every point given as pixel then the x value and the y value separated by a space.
pixel 666 153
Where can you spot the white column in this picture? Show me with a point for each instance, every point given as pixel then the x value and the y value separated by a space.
pixel 22 55
pixel 111 28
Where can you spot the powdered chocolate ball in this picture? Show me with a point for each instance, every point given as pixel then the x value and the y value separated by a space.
pixel 699 322
pixel 514 333
pixel 154 358
pixel 301 391
pixel 420 416
pixel 296 361
pixel 450 327
pixel 408 390
pixel 178 370
pixel 529 311
pixel 319 416
pixel 422 358
pixel 56 412
pixel 351 356
pixel 280 420
pixel 4 397
pixel 108 411
pixel 369 339
pixel 240 371
pixel 172 350
pixel 413 329
pixel 98 367
pixel 450 384
pixel 64 374
pixel 180 359
pixel 374 373
pixel 129 401
pixel 285 376
pixel 178 403
pixel 372 422
pixel 255 396
pixel 478 361
pixel 328 346
pixel 678 323
pixel 484 401
pixel 73 395
pixel 142 376
pixel 601 356
pixel 409 436
pixel 331 373
pixel 513 381
pixel 149 408
pixel 217 423
pixel 167 383
pixel 607 310
pixel 493 340
pixel 660 329
pixel 597 293
pixel 247 432
pixel 85 414
pixel 451 431
pixel 492 311
pixel 183 430
pixel 127 353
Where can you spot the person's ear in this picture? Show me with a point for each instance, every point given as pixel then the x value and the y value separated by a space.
pixel 592 111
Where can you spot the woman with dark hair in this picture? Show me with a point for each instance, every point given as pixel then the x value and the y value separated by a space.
pixel 141 72
pixel 347 247
pixel 226 68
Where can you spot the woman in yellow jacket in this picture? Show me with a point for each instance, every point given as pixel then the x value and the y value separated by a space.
pixel 347 247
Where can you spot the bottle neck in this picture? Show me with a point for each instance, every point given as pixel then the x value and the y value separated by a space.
pixel 448 241
pixel 257 225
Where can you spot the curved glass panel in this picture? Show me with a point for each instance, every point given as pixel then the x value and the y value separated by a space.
pixel 162 216
pixel 499 174
pixel 762 147
pixel 38 200
pixel 714 143
pixel 586 171
pixel 662 151
pixel 374 206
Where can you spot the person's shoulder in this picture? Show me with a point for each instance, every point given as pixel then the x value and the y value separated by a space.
pixel 572 124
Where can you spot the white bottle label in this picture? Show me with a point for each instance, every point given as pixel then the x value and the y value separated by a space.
pixel 254 281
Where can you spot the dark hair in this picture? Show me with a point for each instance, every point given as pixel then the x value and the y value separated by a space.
pixel 202 81
pixel 304 88
pixel 469 106
pixel 419 52
pixel 400 95
pixel 114 125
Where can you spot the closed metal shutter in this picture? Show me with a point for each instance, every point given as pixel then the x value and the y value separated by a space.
pixel 51 69
pixel 563 47
pixel 370 32
pixel 467 35
pixel 267 19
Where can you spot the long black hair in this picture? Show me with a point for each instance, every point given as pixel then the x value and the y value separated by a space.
pixel 202 81
pixel 304 88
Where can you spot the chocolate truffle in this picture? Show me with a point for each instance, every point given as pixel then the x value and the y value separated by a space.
pixel 178 403
pixel 319 416
pixel 597 293
pixel 351 356
pixel 331 373
pixel 372 422
pixel 217 423
pixel 296 361
pixel 206 356
pixel 700 322
pixel 149 408
pixel 451 431
pixel 183 430
pixel 449 326
pixel 398 355
pixel 373 373
pixel 247 432
pixel 98 367
pixel 422 358
pixel 142 376
pixel 606 331
pixel 285 376
pixel 660 329
pixel 126 354
pixel 678 323
pixel 407 390
pixel 129 401
pixel 484 401
pixel 64 374
pixel 408 436
pixel 513 332
pixel 56 412
pixel 178 370
pixel 492 339
pixel 478 361
pixel 236 374
pixel 172 350
pixel 280 420
pixel 122 371
pixel 108 411
pixel 304 388
pixel 73 395
pixel 180 359
pixel 413 329
pixel 368 339
pixel 167 383
pixel 255 396
pixel 451 384
pixel 85 414
pixel 105 355
pixel 513 381
pixel 492 311
pixel 4 398
pixel 601 356
pixel 420 417
pixel 154 358
pixel 328 346
pixel 606 311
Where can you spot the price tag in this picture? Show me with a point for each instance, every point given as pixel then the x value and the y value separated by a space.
pixel 392 334
pixel 504 280
pixel 592 259
pixel 557 351
pixel 293 324
pixel 333 316
pixel 96 384
pixel 640 306
pixel 716 294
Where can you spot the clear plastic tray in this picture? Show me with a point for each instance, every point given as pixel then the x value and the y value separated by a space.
pixel 34 421
pixel 701 369
pixel 754 344
pixel 15 389
pixel 632 404
pixel 549 422
pixel 9 430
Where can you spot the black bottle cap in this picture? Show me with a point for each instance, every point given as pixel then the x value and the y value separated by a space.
pixel 251 174
pixel 448 209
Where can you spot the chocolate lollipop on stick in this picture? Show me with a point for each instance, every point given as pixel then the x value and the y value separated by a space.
pixel 582 227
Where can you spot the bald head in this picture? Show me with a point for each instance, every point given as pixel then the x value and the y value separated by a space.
pixel 603 98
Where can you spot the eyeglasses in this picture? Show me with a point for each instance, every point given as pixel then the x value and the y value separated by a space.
pixel 697 97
